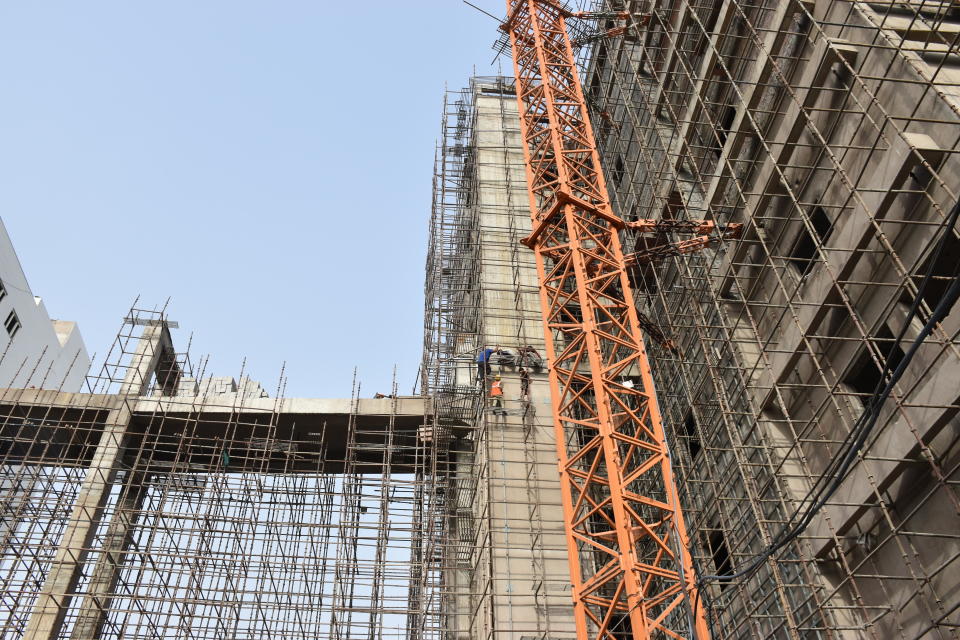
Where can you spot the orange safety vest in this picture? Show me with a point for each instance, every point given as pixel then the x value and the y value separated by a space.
pixel 496 389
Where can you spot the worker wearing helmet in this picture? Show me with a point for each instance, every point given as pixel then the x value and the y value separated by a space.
pixel 496 394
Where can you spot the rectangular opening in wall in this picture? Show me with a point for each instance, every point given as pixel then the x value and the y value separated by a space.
pixel 617 173
pixel 865 375
pixel 596 86
pixel 691 435
pixel 944 270
pixel 721 555
pixel 724 122
pixel 674 206
pixel 12 324
pixel 3 291
pixel 804 251
pixel 712 20
pixel 621 627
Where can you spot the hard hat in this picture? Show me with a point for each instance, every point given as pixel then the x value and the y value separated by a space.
pixel 496 377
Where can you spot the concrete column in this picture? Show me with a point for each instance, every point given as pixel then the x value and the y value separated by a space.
pixel 60 585
pixel 55 596
pixel 106 573
pixel 154 348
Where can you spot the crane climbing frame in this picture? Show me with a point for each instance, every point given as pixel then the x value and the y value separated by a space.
pixel 630 569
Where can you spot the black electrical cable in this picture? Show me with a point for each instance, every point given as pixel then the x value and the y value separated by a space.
pixel 837 471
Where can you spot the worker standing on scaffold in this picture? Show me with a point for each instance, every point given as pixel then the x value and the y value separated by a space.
pixel 496 395
pixel 483 363
pixel 527 355
pixel 524 384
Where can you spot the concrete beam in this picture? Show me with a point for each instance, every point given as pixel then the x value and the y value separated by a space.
pixel 59 400
pixel 319 426
pixel 154 348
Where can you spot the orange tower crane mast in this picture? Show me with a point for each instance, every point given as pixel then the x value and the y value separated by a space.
pixel 631 572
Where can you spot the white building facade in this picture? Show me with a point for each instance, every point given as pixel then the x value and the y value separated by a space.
pixel 35 351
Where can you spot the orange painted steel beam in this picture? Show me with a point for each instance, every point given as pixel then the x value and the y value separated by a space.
pixel 629 565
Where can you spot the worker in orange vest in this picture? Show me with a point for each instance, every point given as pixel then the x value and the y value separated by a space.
pixel 496 395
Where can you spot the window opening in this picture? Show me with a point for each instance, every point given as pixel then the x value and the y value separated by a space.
pixel 804 251
pixel 692 437
pixel 674 206
pixel 724 122
pixel 941 276
pixel 618 169
pixel 720 554
pixel 12 324
pixel 864 376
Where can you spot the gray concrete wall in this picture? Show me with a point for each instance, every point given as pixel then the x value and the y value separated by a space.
pixel 518 586
pixel 856 115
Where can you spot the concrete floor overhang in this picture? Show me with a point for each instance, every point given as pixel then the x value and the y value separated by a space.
pixel 302 435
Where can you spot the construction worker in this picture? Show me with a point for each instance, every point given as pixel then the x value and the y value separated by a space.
pixel 496 395
pixel 524 384
pixel 529 356
pixel 483 362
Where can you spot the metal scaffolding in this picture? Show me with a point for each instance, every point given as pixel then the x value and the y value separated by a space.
pixel 506 568
pixel 829 130
pixel 163 505
pixel 149 510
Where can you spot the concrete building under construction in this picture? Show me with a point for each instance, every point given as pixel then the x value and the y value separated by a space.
pixel 829 129
pixel 805 369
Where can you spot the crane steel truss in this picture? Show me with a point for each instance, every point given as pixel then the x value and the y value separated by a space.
pixel 629 564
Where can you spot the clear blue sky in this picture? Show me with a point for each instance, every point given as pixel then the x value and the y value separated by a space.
pixel 266 165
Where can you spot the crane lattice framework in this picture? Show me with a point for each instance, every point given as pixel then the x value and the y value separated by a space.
pixel 630 569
